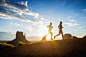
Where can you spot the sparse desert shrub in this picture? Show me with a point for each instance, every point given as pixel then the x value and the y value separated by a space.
pixel 5 45
pixel 64 39
pixel 0 44
pixel 72 37
pixel 20 43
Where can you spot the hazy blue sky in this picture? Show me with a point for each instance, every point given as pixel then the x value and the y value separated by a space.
pixel 33 16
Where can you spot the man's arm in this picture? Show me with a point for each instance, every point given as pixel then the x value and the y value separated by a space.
pixel 47 26
pixel 52 26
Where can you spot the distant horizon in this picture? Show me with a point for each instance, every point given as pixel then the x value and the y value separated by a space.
pixel 38 38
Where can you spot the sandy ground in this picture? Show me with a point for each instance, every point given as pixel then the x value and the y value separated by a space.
pixel 56 48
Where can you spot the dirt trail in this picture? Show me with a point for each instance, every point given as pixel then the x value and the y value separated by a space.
pixel 60 48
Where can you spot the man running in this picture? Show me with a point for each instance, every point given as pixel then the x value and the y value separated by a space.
pixel 60 30
pixel 50 27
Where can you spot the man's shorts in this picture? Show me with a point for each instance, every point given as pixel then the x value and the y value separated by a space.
pixel 60 31
pixel 50 32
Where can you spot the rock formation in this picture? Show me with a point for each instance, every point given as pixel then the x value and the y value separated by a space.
pixel 84 36
pixel 67 36
pixel 73 37
pixel 19 37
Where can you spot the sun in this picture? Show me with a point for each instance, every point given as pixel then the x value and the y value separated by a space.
pixel 43 30
pixel 48 37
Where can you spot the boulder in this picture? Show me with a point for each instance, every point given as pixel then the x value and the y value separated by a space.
pixel 67 36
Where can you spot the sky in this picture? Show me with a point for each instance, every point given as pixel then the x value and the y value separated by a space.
pixel 33 16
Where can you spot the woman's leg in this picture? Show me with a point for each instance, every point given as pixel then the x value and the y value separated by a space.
pixel 62 34
pixel 57 34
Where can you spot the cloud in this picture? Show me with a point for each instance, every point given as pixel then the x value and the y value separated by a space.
pixel 83 30
pixel 75 21
pixel 82 17
pixel 42 18
pixel 75 30
pixel 71 20
pixel 16 10
pixel 29 27
pixel 6 17
pixel 69 17
pixel 21 6
pixel 84 10
pixel 80 27
pixel 5 35
pixel 15 24
pixel 31 8
pixel 15 15
pixel 70 24
pixel 7 32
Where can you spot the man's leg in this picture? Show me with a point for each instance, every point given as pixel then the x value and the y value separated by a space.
pixel 56 35
pixel 51 35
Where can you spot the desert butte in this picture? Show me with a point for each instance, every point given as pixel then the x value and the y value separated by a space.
pixel 55 48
